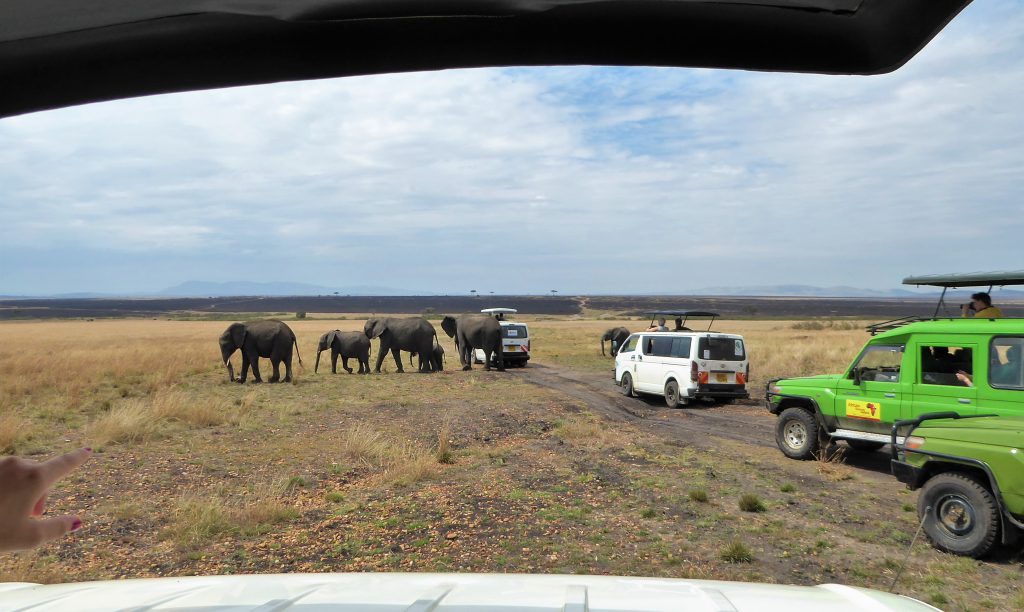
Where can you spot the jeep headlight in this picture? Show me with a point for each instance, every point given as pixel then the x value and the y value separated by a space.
pixel 775 389
pixel 914 442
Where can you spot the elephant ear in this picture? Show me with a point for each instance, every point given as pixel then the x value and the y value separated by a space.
pixel 238 334
pixel 377 329
pixel 331 336
pixel 448 325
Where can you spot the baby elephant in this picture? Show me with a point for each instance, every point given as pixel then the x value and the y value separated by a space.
pixel 436 360
pixel 347 345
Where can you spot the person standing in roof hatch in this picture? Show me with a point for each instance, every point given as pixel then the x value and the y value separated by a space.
pixel 982 306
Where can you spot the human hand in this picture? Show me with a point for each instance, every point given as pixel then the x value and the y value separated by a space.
pixel 964 377
pixel 24 485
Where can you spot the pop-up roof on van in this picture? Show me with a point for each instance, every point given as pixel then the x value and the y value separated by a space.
pixel 681 316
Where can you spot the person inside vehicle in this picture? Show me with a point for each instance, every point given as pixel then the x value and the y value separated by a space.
pixel 1007 373
pixel 679 325
pixel 981 304
pixel 660 327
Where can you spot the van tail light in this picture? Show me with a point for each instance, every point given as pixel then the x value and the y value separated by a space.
pixel 693 371
pixel 741 378
pixel 702 378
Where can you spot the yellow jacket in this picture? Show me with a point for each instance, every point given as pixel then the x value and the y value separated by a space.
pixel 988 313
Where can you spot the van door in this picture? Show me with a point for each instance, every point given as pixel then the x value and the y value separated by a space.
pixel 946 378
pixel 875 403
pixel 651 363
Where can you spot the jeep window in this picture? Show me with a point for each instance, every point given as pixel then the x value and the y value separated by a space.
pixel 513 331
pixel 721 349
pixel 1006 363
pixel 940 363
pixel 880 363
pixel 630 345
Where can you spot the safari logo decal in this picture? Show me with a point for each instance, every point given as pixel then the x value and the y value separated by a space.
pixel 868 411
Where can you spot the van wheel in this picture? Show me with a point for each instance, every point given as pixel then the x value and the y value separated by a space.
pixel 796 433
pixel 865 446
pixel 627 385
pixel 959 513
pixel 672 394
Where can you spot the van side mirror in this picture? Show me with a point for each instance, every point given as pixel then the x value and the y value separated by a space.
pixel 857 375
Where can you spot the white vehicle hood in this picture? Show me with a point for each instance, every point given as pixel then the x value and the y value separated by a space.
pixel 441 592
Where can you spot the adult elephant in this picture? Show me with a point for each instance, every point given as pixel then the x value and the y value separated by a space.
pixel 616 335
pixel 415 335
pixel 476 332
pixel 347 345
pixel 269 339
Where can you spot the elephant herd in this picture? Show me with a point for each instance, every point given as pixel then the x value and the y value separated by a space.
pixel 274 340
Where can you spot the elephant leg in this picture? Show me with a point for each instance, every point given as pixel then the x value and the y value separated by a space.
pixel 488 357
pixel 397 354
pixel 344 364
pixel 245 367
pixel 288 369
pixel 501 358
pixel 275 363
pixel 380 357
pixel 254 362
pixel 334 362
pixel 364 361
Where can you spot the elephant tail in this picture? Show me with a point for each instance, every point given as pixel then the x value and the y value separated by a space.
pixel 296 343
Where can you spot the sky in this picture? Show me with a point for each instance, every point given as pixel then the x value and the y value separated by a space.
pixel 523 180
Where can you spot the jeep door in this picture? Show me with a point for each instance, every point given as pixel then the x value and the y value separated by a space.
pixel 869 398
pixel 938 387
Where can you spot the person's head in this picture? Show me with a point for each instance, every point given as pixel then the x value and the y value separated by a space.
pixel 661 322
pixel 981 300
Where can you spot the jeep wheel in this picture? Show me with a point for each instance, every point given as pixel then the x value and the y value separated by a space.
pixel 865 446
pixel 796 433
pixel 960 514
pixel 627 385
pixel 672 394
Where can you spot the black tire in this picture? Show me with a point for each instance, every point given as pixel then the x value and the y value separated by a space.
pixel 672 394
pixel 865 446
pixel 960 514
pixel 796 434
pixel 627 385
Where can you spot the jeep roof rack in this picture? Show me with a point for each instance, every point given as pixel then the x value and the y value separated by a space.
pixel 498 313
pixel 876 328
pixel 684 315
pixel 969 279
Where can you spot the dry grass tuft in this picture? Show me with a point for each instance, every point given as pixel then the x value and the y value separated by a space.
pixel 587 432
pixel 832 463
pixel 131 423
pixel 197 412
pixel 444 442
pixel 14 431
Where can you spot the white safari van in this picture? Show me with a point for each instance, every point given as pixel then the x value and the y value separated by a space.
pixel 684 365
pixel 515 338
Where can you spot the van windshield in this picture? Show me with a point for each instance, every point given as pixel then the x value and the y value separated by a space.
pixel 513 331
pixel 721 349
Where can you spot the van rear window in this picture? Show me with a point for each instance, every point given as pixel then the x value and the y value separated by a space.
pixel 721 349
pixel 514 331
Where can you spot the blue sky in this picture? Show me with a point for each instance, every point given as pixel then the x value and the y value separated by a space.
pixel 581 179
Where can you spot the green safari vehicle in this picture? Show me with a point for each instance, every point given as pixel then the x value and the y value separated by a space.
pixel 970 471
pixel 910 367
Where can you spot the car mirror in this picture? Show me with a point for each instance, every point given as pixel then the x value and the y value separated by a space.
pixel 858 375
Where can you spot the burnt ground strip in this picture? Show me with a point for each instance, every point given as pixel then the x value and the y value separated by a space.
pixel 732 307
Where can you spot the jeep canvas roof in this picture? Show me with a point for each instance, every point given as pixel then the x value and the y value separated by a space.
pixel 55 53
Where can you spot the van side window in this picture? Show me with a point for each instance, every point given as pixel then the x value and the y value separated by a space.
pixel 630 345
pixel 880 363
pixel 1006 363
pixel 940 363
pixel 661 347
pixel 681 347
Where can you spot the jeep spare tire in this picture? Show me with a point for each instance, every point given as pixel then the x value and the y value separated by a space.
pixel 796 433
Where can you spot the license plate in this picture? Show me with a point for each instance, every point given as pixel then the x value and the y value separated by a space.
pixel 721 377
pixel 510 348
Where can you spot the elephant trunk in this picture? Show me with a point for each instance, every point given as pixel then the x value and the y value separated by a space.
pixel 602 347
pixel 317 366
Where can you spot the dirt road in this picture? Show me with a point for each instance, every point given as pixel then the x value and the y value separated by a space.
pixel 699 425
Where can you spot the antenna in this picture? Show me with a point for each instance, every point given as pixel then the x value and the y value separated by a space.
pixel 910 546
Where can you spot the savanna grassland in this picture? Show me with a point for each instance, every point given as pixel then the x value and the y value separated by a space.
pixel 456 471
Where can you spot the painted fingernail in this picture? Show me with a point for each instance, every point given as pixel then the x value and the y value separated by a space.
pixel 76 525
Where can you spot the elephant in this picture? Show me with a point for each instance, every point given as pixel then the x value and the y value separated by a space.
pixel 617 335
pixel 436 358
pixel 415 335
pixel 476 332
pixel 267 338
pixel 347 345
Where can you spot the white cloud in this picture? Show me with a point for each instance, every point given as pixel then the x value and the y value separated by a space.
pixel 589 179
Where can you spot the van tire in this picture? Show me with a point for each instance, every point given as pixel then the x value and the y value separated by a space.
pixel 959 513
pixel 672 394
pixel 627 385
pixel 796 434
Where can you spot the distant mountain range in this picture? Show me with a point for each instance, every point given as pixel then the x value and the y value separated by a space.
pixel 239 288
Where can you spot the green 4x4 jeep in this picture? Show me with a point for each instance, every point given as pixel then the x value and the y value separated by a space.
pixel 971 474
pixel 966 366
